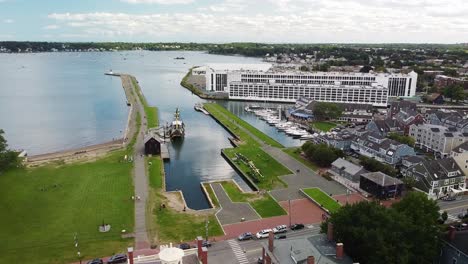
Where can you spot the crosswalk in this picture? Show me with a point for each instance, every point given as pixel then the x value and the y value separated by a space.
pixel 238 252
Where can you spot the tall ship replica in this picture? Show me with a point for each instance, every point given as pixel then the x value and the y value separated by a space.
pixel 177 128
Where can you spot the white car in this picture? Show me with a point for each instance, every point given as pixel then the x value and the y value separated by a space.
pixel 263 233
pixel 280 229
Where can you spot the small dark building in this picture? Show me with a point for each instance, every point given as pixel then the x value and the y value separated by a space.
pixel 435 98
pixel 380 185
pixel 152 145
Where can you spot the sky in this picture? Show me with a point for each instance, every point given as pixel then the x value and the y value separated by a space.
pixel 269 21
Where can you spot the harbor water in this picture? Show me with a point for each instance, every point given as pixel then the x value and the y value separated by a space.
pixel 56 101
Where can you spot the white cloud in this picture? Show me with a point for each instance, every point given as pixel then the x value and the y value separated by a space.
pixel 283 21
pixel 51 27
pixel 161 2
pixel 8 21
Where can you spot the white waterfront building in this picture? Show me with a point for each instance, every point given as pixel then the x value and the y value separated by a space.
pixel 261 82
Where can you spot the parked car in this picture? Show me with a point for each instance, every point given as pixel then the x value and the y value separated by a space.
pixel 96 261
pixel 280 229
pixel 206 243
pixel 280 236
pixel 297 226
pixel 263 233
pixel 245 236
pixel 462 226
pixel 118 258
pixel 184 246
pixel 260 260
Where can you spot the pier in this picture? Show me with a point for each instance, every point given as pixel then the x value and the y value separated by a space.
pixel 164 151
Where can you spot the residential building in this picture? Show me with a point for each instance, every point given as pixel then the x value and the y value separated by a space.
pixel 408 162
pixel 307 249
pixel 346 169
pixel 435 98
pixel 340 140
pixel 454 247
pixel 401 105
pixel 442 81
pixel 438 139
pixel 405 118
pixel 437 177
pixel 380 185
pixel 383 126
pixel 460 155
pixel 263 83
pixel 449 118
pixel 385 150
pixel 357 113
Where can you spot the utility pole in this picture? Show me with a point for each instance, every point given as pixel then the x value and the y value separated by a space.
pixel 206 228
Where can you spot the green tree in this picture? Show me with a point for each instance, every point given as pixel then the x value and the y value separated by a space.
pixel 8 158
pixel 366 68
pixel 454 92
pixel 372 165
pixel 405 233
pixel 304 68
pixel 402 138
pixel 322 154
pixel 327 111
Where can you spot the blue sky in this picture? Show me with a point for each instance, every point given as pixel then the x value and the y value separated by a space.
pixel 276 21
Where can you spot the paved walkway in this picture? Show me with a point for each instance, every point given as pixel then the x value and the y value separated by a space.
pixel 302 179
pixel 302 211
pixel 140 178
pixel 232 212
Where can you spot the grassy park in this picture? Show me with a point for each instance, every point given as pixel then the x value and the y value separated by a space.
pixel 323 199
pixel 151 112
pixel 216 109
pixel 265 205
pixel 47 205
pixel 250 148
pixel 323 126
pixel 168 225
pixel 210 192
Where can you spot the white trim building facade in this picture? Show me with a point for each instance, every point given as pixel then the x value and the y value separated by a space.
pixel 260 82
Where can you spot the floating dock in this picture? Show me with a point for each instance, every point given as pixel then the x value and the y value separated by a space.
pixel 164 152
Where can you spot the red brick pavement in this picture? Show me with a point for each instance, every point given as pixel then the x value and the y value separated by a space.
pixel 302 211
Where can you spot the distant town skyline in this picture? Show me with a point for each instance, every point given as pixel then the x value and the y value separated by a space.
pixel 272 21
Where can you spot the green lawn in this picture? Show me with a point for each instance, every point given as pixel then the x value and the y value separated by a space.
pixel 323 199
pixel 265 205
pixel 151 112
pixel 43 207
pixel 268 166
pixel 323 126
pixel 296 153
pixel 210 192
pixel 213 107
pixel 167 225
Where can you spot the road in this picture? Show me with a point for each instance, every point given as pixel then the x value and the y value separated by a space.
pixel 248 252
pixel 454 208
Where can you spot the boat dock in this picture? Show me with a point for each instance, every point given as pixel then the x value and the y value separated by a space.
pixel 199 107
pixel 164 152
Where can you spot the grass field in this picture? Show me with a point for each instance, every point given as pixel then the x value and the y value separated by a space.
pixel 213 107
pixel 268 166
pixel 296 153
pixel 151 112
pixel 167 225
pixel 43 208
pixel 323 199
pixel 324 126
pixel 265 205
pixel 210 192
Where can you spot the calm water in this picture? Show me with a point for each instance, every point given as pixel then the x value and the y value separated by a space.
pixel 56 101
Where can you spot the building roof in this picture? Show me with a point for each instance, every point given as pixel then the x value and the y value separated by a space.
pixel 301 248
pixel 347 166
pixel 435 170
pixel 239 66
pixel 460 241
pixel 150 136
pixel 462 148
pixel 381 178
pixel 413 159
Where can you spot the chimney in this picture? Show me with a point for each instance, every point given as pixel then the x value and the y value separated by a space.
pixel 339 251
pixel 204 255
pixel 271 239
pixel 310 260
pixel 199 246
pixel 330 231
pixel 130 255
pixel 451 233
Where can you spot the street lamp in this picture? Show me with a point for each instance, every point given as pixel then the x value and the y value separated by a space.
pixel 206 228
